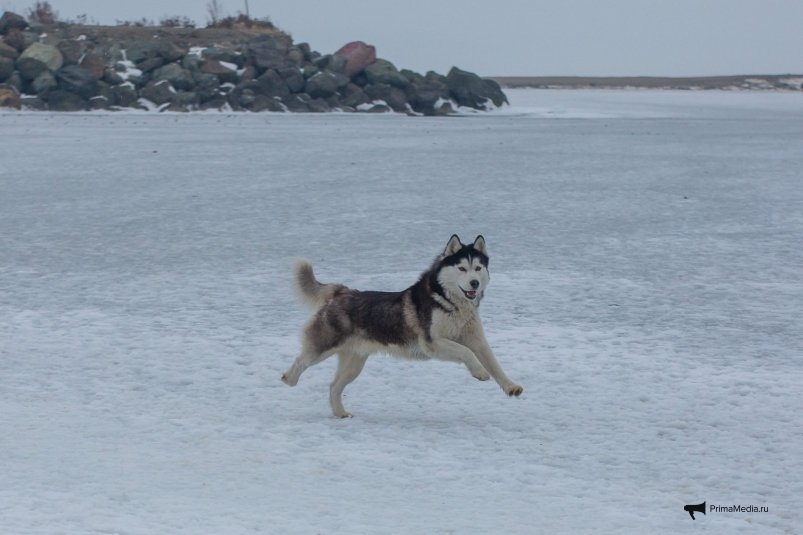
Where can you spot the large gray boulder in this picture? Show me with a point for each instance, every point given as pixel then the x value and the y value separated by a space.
pixel 293 78
pixel 353 96
pixel 78 80
pixel 47 54
pixel 358 55
pixel 271 84
pixel 425 97
pixel 159 92
pixel 37 58
pixel 426 92
pixel 470 90
pixel 325 84
pixel 17 39
pixel 384 72
pixel 392 96
pixel 11 21
pixel 179 77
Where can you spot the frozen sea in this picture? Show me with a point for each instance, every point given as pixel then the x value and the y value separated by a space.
pixel 646 290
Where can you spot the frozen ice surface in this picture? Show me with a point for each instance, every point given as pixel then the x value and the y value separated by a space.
pixel 646 291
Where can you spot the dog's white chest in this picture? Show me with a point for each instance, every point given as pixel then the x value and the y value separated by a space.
pixel 451 325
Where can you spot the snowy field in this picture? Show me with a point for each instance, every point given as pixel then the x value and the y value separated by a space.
pixel 646 290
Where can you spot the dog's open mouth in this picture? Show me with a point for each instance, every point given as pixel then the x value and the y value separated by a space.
pixel 470 294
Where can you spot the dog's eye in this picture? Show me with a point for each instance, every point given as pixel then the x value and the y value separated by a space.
pixel 477 268
pixel 462 269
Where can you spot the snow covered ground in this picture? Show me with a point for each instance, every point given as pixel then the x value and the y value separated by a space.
pixel 646 291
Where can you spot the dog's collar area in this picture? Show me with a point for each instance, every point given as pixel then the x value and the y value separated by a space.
pixel 443 302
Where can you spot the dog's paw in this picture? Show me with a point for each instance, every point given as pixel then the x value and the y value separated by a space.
pixel 481 376
pixel 343 415
pixel 514 390
pixel 288 381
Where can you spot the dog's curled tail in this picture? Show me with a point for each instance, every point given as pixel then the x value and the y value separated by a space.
pixel 311 291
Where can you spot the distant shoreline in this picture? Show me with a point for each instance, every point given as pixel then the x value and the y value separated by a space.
pixel 778 82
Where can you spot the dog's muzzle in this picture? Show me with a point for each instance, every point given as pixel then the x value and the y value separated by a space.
pixel 472 293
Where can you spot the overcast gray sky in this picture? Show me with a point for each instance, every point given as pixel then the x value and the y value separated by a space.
pixel 517 37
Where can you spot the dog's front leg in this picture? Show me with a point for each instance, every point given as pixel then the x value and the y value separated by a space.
pixel 444 349
pixel 474 339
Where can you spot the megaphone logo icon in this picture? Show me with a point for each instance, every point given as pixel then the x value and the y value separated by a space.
pixel 700 508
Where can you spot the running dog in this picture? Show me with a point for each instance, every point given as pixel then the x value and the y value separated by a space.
pixel 435 318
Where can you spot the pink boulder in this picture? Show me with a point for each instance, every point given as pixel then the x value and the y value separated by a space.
pixel 358 56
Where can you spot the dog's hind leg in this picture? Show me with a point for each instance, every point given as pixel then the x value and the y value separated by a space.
pixel 308 357
pixel 349 366
pixel 319 341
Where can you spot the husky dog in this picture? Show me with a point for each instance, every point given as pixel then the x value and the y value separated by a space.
pixel 436 317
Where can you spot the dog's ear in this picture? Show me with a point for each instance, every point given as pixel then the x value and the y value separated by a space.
pixel 479 245
pixel 453 246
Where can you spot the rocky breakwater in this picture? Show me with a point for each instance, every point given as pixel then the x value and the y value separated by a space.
pixel 72 68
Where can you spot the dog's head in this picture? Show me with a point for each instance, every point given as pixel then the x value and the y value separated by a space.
pixel 463 271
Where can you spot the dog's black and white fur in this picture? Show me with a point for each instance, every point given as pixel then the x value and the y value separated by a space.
pixel 437 317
